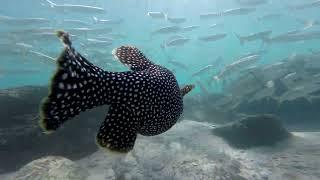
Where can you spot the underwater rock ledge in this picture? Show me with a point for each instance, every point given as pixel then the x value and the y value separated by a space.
pixel 21 139
pixel 251 131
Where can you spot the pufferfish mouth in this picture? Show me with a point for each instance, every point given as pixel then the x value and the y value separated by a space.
pixel 126 54
pixel 114 53
pixel 121 55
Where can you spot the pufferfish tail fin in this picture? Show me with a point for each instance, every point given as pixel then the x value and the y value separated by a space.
pixel 76 86
pixel 186 89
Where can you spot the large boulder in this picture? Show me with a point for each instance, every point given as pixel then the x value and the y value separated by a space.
pixel 299 111
pixel 21 139
pixel 260 130
pixel 53 168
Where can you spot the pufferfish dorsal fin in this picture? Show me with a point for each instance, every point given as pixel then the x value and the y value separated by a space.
pixel 186 89
pixel 133 57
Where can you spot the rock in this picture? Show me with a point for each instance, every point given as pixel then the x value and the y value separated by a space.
pixel 300 111
pixel 266 105
pixel 110 174
pixel 260 130
pixel 21 139
pixel 97 174
pixel 197 166
pixel 53 168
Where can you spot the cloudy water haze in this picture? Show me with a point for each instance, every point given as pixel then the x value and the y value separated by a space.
pixel 204 89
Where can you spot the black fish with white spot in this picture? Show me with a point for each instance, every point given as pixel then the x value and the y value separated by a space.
pixel 145 100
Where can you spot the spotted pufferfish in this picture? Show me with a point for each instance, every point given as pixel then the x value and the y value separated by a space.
pixel 145 100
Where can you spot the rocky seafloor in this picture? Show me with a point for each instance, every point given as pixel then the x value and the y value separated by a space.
pixel 189 151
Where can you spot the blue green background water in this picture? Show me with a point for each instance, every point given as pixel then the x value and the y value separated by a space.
pixel 137 27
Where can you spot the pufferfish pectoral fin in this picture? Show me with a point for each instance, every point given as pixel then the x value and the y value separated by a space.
pixel 186 89
pixel 118 132
pixel 133 57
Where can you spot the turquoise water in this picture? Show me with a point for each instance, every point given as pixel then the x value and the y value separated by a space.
pixel 289 91
pixel 24 68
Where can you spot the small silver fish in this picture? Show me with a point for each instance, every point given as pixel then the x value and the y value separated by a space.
pixel 190 28
pixel 237 65
pixel 210 15
pixel 216 25
pixel 302 6
pixel 97 42
pixel 252 2
pixel 84 30
pixel 270 84
pixel 24 45
pixel 108 21
pixel 14 49
pixel 9 49
pixel 104 38
pixel 238 11
pixel 205 69
pixel 66 8
pixel 178 64
pixel 213 37
pixel 294 79
pixel 24 32
pixel 270 16
pixel 166 30
pixel 259 52
pixel 294 37
pixel 308 23
pixel 254 36
pixel 24 21
pixel 156 15
pixel 48 59
pixel 177 42
pixel 176 20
